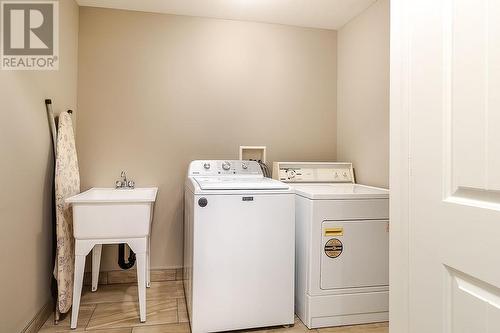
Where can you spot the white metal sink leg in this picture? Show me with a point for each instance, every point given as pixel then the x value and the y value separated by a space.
pixel 141 284
pixel 96 263
pixel 148 264
pixel 77 288
pixel 84 246
pixel 139 246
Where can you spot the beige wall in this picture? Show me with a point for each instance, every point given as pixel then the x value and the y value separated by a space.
pixel 26 164
pixel 363 94
pixel 157 91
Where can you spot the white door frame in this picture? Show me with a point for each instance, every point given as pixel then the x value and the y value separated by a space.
pixel 399 168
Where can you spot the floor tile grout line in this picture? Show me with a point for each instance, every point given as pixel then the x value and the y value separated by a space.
pixel 90 318
pixel 178 316
pixel 173 300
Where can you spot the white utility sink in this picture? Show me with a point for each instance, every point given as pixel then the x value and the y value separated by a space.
pixel 112 216
pixel 113 213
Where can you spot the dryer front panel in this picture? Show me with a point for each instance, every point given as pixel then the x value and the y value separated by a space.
pixel 354 254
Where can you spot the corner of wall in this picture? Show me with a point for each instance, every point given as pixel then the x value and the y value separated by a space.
pixel 363 94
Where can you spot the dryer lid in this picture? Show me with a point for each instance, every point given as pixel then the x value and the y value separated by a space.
pixel 239 183
pixel 340 191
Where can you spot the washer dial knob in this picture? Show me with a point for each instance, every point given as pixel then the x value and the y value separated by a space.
pixel 206 165
pixel 226 165
pixel 244 165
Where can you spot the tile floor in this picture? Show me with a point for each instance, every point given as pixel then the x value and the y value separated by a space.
pixel 114 309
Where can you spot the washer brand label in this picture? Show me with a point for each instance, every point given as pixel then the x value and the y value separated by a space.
pixel 334 248
pixel 247 198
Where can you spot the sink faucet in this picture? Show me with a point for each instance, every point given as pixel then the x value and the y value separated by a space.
pixel 124 183
pixel 123 175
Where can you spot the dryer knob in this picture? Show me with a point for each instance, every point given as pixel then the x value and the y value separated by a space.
pixel 290 173
pixel 226 166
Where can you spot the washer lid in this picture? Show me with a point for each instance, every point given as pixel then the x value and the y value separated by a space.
pixel 340 191
pixel 239 183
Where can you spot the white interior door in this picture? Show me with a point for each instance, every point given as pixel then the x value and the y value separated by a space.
pixel 445 166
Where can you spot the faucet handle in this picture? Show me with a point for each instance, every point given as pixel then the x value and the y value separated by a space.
pixel 131 184
pixel 118 184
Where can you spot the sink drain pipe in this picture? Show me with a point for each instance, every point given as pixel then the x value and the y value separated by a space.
pixel 121 257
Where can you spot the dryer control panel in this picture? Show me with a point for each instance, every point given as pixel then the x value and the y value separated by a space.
pixel 313 172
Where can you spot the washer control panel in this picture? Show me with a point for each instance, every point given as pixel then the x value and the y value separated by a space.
pixel 311 172
pixel 224 168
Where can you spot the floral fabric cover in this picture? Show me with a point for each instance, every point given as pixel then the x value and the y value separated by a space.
pixel 67 184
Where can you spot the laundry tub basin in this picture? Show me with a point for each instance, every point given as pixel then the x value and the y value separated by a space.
pixel 102 213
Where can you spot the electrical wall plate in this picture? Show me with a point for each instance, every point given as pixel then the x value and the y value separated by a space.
pixel 253 153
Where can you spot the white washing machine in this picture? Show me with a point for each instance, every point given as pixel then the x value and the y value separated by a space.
pixel 342 245
pixel 239 231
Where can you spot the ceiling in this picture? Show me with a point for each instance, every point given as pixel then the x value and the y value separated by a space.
pixel 326 14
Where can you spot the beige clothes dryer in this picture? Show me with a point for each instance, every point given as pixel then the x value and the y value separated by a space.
pixel 342 245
